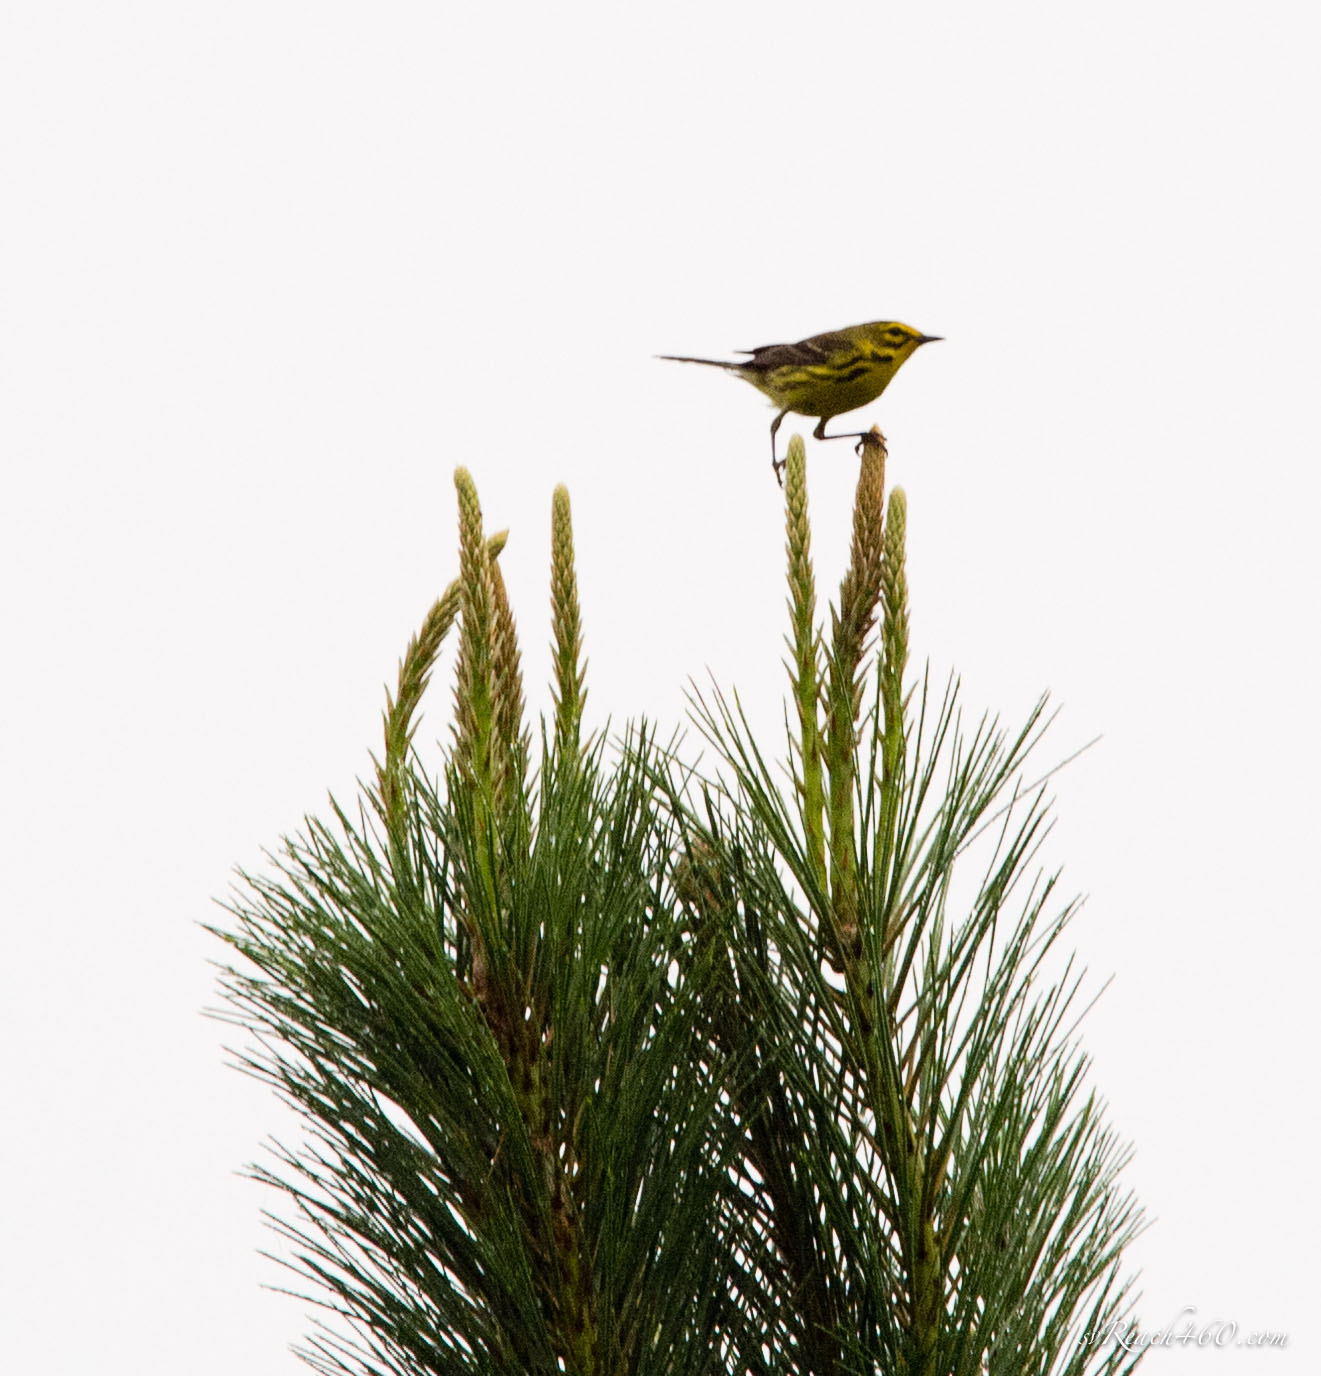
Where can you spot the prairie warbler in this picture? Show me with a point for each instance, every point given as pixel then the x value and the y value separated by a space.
pixel 825 375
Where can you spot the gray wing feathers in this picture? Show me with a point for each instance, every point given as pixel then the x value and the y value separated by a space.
pixel 806 351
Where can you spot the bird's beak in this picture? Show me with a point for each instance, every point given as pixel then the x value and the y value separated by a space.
pixel 930 339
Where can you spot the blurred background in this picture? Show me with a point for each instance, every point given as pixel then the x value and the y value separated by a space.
pixel 269 272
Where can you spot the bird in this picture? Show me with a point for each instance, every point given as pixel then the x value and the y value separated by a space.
pixel 825 375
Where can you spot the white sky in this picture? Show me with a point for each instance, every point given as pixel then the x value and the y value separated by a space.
pixel 268 272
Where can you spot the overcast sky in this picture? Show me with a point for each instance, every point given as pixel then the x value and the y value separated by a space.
pixel 269 272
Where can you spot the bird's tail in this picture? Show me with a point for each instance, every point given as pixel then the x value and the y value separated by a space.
pixel 709 362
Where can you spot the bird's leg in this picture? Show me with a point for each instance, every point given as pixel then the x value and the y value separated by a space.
pixel 777 465
pixel 820 434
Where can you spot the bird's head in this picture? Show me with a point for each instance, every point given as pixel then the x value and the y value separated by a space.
pixel 900 339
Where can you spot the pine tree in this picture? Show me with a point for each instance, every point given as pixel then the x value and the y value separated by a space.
pixel 609 1066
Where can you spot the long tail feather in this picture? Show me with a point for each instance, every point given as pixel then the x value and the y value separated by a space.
pixel 709 362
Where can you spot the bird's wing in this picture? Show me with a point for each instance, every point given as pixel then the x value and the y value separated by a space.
pixel 806 351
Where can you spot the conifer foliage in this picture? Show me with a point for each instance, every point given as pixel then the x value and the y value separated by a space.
pixel 609 1066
